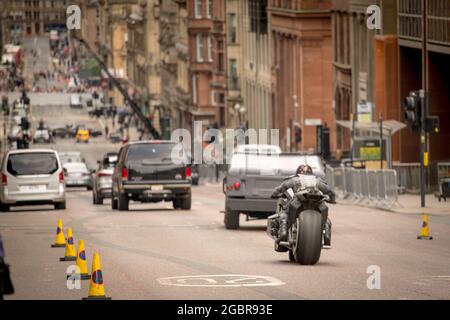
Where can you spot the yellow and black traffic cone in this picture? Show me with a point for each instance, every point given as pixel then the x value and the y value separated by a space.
pixel 81 262
pixel 425 231
pixel 60 241
pixel 70 248
pixel 96 287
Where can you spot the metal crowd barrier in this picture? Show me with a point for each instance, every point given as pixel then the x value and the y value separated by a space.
pixel 377 188
pixel 409 176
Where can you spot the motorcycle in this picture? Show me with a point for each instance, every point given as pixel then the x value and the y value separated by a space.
pixel 307 227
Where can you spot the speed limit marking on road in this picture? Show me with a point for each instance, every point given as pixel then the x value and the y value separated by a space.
pixel 221 280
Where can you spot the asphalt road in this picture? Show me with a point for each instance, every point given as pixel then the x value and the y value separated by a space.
pixel 143 249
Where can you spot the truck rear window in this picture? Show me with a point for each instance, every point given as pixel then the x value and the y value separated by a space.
pixel 20 164
pixel 155 153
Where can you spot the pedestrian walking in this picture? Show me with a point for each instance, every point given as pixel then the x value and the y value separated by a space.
pixel 6 286
pixel 106 131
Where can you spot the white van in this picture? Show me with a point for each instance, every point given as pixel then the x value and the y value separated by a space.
pixel 32 177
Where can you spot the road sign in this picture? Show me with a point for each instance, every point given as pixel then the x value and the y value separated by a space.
pixel 313 122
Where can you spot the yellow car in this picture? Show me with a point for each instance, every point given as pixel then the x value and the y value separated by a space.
pixel 82 135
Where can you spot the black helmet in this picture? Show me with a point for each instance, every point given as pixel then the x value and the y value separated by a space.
pixel 304 169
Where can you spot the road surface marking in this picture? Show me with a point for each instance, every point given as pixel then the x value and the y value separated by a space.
pixel 221 280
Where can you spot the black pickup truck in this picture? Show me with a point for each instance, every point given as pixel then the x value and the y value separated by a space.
pixel 146 171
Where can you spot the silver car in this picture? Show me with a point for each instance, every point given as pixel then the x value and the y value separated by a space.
pixel 71 156
pixel 77 175
pixel 31 177
pixel 102 181
pixel 251 179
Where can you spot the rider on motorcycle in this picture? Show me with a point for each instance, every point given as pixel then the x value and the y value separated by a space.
pixel 295 182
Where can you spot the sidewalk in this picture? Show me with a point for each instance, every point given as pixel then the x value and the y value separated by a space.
pixel 410 204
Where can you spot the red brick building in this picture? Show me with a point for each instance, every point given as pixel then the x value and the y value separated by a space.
pixel 207 65
pixel 302 69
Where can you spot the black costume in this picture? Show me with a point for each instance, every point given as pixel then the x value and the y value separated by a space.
pixel 295 182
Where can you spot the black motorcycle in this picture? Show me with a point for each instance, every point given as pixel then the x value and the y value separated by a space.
pixel 307 222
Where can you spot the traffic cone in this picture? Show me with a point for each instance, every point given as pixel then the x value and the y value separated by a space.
pixel 425 232
pixel 70 249
pixel 96 287
pixel 81 262
pixel 60 241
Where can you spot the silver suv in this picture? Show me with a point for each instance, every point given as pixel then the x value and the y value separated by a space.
pixel 31 177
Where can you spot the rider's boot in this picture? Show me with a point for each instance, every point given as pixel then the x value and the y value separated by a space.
pixel 283 227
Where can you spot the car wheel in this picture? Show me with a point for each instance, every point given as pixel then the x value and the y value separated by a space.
pixel 114 203
pixel 231 219
pixel 4 207
pixel 96 199
pixel 60 205
pixel 123 202
pixel 89 188
pixel 176 203
pixel 185 203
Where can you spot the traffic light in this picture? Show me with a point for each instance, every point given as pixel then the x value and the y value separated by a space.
pixel 432 124
pixel 413 114
pixel 298 134
pixel 413 110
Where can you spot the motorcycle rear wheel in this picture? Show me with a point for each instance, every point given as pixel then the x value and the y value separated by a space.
pixel 308 238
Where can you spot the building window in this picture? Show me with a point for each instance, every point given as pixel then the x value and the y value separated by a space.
pixel 234 80
pixel 213 97
pixel 220 56
pixel 194 89
pixel 210 57
pixel 199 40
pixel 198 9
pixel 221 117
pixel 257 11
pixel 232 28
pixel 209 8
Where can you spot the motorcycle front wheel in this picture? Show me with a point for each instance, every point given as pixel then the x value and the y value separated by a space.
pixel 308 238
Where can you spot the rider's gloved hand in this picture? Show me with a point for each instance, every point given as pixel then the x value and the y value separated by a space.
pixel 332 198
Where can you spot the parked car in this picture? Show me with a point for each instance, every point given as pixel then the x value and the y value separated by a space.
pixel 82 135
pixel 115 137
pixel 42 135
pixel 60 132
pixel 32 177
pixel 77 175
pixel 251 179
pixel 146 172
pixel 102 180
pixel 70 156
pixel 18 114
pixel 95 132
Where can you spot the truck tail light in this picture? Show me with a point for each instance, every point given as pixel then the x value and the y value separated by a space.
pixel 103 174
pixel 236 186
pixel 188 172
pixel 4 179
pixel 61 177
pixel 124 174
